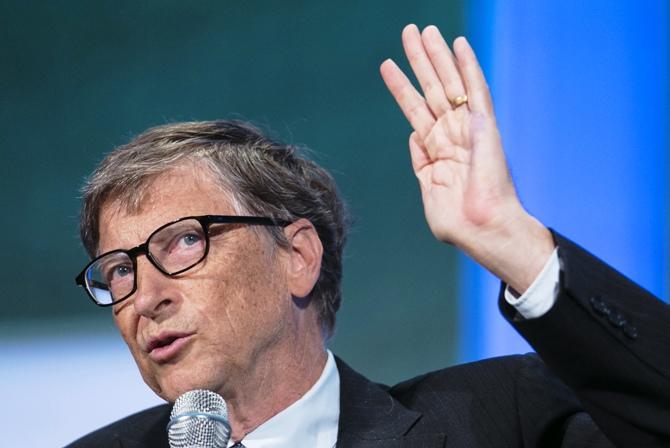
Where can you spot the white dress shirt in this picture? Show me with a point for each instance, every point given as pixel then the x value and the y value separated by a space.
pixel 542 293
pixel 312 421
pixel 309 422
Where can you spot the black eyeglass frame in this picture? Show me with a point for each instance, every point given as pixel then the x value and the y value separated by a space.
pixel 143 249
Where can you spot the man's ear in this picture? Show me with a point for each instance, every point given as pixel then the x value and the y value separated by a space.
pixel 304 257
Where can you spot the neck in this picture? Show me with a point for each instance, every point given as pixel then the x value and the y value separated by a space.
pixel 280 380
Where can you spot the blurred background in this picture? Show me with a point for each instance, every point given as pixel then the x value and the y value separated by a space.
pixel 582 101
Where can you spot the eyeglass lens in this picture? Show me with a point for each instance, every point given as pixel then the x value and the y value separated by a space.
pixel 172 249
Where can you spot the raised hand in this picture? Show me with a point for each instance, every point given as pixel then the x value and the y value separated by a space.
pixel 469 198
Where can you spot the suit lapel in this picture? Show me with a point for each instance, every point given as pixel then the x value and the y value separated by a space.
pixel 371 417
pixel 147 431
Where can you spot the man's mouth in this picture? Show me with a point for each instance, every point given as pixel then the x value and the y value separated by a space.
pixel 167 346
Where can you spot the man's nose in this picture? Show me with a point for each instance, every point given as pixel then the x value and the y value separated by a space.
pixel 155 294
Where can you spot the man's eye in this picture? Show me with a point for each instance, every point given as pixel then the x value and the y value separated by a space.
pixel 191 239
pixel 122 271
pixel 115 273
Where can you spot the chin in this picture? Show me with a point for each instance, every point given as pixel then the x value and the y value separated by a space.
pixel 176 383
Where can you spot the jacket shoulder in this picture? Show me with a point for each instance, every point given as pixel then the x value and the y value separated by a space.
pixel 492 375
pixel 498 399
pixel 143 429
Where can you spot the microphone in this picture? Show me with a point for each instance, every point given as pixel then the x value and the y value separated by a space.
pixel 199 419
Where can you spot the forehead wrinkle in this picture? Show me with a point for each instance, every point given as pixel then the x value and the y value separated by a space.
pixel 132 192
pixel 114 210
pixel 147 198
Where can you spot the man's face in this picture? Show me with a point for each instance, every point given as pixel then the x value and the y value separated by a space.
pixel 215 325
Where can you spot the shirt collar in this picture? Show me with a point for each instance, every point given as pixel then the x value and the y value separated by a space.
pixel 311 421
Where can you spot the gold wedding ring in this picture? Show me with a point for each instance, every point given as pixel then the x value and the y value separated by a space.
pixel 458 101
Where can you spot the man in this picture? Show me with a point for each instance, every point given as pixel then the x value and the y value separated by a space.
pixel 219 251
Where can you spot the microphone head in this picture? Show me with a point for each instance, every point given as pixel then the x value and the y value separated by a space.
pixel 199 418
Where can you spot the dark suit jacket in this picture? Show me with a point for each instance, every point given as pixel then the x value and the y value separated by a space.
pixel 604 337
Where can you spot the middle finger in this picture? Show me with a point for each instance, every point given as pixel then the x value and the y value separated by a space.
pixel 433 90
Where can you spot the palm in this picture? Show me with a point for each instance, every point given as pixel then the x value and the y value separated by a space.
pixel 456 152
pixel 462 190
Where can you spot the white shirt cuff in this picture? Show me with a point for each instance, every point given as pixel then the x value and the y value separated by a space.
pixel 542 293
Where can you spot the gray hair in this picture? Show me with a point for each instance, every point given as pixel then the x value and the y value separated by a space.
pixel 263 177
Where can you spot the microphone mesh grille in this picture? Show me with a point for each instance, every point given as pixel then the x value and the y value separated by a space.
pixel 200 430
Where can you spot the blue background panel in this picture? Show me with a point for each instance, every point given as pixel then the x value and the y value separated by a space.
pixel 582 102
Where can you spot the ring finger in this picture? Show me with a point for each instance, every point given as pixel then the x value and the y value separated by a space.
pixel 444 63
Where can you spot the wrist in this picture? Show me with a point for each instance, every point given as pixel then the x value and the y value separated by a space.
pixel 515 249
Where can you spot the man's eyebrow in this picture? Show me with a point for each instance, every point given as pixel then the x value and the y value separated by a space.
pixel 112 258
pixel 219 228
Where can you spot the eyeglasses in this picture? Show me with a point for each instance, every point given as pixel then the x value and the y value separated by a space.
pixel 173 248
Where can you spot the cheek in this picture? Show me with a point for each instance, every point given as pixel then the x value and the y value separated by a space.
pixel 247 299
pixel 232 307
pixel 126 322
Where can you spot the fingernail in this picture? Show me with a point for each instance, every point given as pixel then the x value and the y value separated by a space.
pixel 433 27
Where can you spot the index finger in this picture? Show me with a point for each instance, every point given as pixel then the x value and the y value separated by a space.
pixel 412 104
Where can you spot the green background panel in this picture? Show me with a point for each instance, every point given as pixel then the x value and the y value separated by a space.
pixel 81 77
